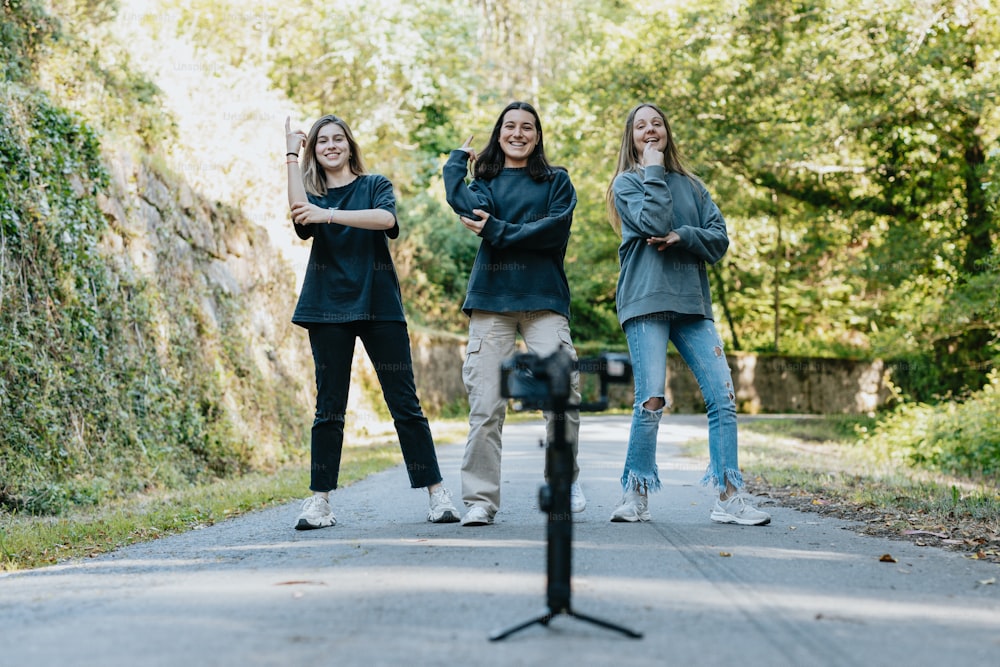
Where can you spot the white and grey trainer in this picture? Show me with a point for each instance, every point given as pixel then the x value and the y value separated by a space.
pixel 316 513
pixel 577 501
pixel 737 509
pixel 633 507
pixel 477 516
pixel 442 509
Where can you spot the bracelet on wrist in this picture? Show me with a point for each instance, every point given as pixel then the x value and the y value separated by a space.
pixel 329 220
pixel 291 161
pixel 295 154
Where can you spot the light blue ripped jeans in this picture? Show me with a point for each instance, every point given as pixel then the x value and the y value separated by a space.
pixel 699 345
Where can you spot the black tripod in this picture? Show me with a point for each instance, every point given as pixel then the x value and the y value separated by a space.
pixel 521 379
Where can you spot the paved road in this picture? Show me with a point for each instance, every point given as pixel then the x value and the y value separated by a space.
pixel 385 588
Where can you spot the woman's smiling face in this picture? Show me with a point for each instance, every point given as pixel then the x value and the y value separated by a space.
pixel 333 151
pixel 518 137
pixel 648 127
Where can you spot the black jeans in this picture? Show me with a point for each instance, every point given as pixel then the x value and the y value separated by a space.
pixel 388 347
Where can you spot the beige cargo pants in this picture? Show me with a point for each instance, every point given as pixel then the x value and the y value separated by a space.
pixel 492 339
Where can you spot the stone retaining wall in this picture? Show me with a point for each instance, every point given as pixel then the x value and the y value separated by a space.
pixel 763 383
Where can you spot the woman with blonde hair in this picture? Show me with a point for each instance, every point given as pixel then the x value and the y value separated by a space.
pixel 670 230
pixel 351 291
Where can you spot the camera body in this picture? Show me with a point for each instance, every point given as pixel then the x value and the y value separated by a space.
pixel 546 383
pixel 538 383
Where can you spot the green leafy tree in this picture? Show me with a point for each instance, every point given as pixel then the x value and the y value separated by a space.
pixel 846 143
pixel 891 140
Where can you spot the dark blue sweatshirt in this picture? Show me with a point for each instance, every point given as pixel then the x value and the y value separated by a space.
pixel 519 265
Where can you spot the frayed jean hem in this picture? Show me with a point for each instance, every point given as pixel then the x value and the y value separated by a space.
pixel 732 475
pixel 651 483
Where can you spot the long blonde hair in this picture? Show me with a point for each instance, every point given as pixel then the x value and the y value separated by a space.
pixel 313 177
pixel 629 160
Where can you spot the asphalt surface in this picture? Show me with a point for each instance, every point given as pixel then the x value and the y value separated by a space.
pixel 384 587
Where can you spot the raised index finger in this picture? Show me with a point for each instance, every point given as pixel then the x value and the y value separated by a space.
pixel 468 142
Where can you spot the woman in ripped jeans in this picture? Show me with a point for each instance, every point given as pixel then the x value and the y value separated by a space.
pixel 670 230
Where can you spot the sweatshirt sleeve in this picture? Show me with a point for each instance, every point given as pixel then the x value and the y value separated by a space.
pixel 708 239
pixel 546 233
pixel 460 196
pixel 648 208
pixel 644 203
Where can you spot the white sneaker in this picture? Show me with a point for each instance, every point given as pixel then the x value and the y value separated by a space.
pixel 442 510
pixel 739 510
pixel 477 516
pixel 577 501
pixel 633 507
pixel 316 513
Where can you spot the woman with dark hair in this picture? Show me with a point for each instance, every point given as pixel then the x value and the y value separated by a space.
pixel 670 230
pixel 350 291
pixel 522 208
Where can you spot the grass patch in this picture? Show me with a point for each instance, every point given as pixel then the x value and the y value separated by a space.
pixel 821 464
pixel 29 541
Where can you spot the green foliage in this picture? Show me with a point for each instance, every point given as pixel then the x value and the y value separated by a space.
pixel 844 429
pixel 856 189
pixel 433 257
pixel 91 71
pixel 112 383
pixel 54 337
pixel 957 438
pixel 960 318
pixel 842 181
pixel 26 29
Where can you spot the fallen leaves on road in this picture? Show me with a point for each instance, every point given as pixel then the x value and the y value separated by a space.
pixel 925 532
pixel 887 558
pixel 978 538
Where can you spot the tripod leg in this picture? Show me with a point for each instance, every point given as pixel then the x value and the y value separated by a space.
pixel 543 619
pixel 606 624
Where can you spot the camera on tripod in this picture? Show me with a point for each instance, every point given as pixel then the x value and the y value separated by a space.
pixel 545 383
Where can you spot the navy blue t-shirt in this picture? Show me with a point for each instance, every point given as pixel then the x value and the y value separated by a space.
pixel 350 275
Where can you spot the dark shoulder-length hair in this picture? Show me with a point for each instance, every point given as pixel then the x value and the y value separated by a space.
pixel 312 174
pixel 490 161
pixel 630 160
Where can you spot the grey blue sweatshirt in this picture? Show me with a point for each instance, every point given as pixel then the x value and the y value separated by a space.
pixel 653 202
pixel 519 265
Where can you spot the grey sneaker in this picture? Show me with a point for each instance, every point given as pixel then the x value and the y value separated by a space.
pixel 739 510
pixel 577 501
pixel 633 507
pixel 442 510
pixel 477 516
pixel 316 513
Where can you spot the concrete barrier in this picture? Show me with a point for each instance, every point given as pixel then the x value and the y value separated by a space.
pixel 763 383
